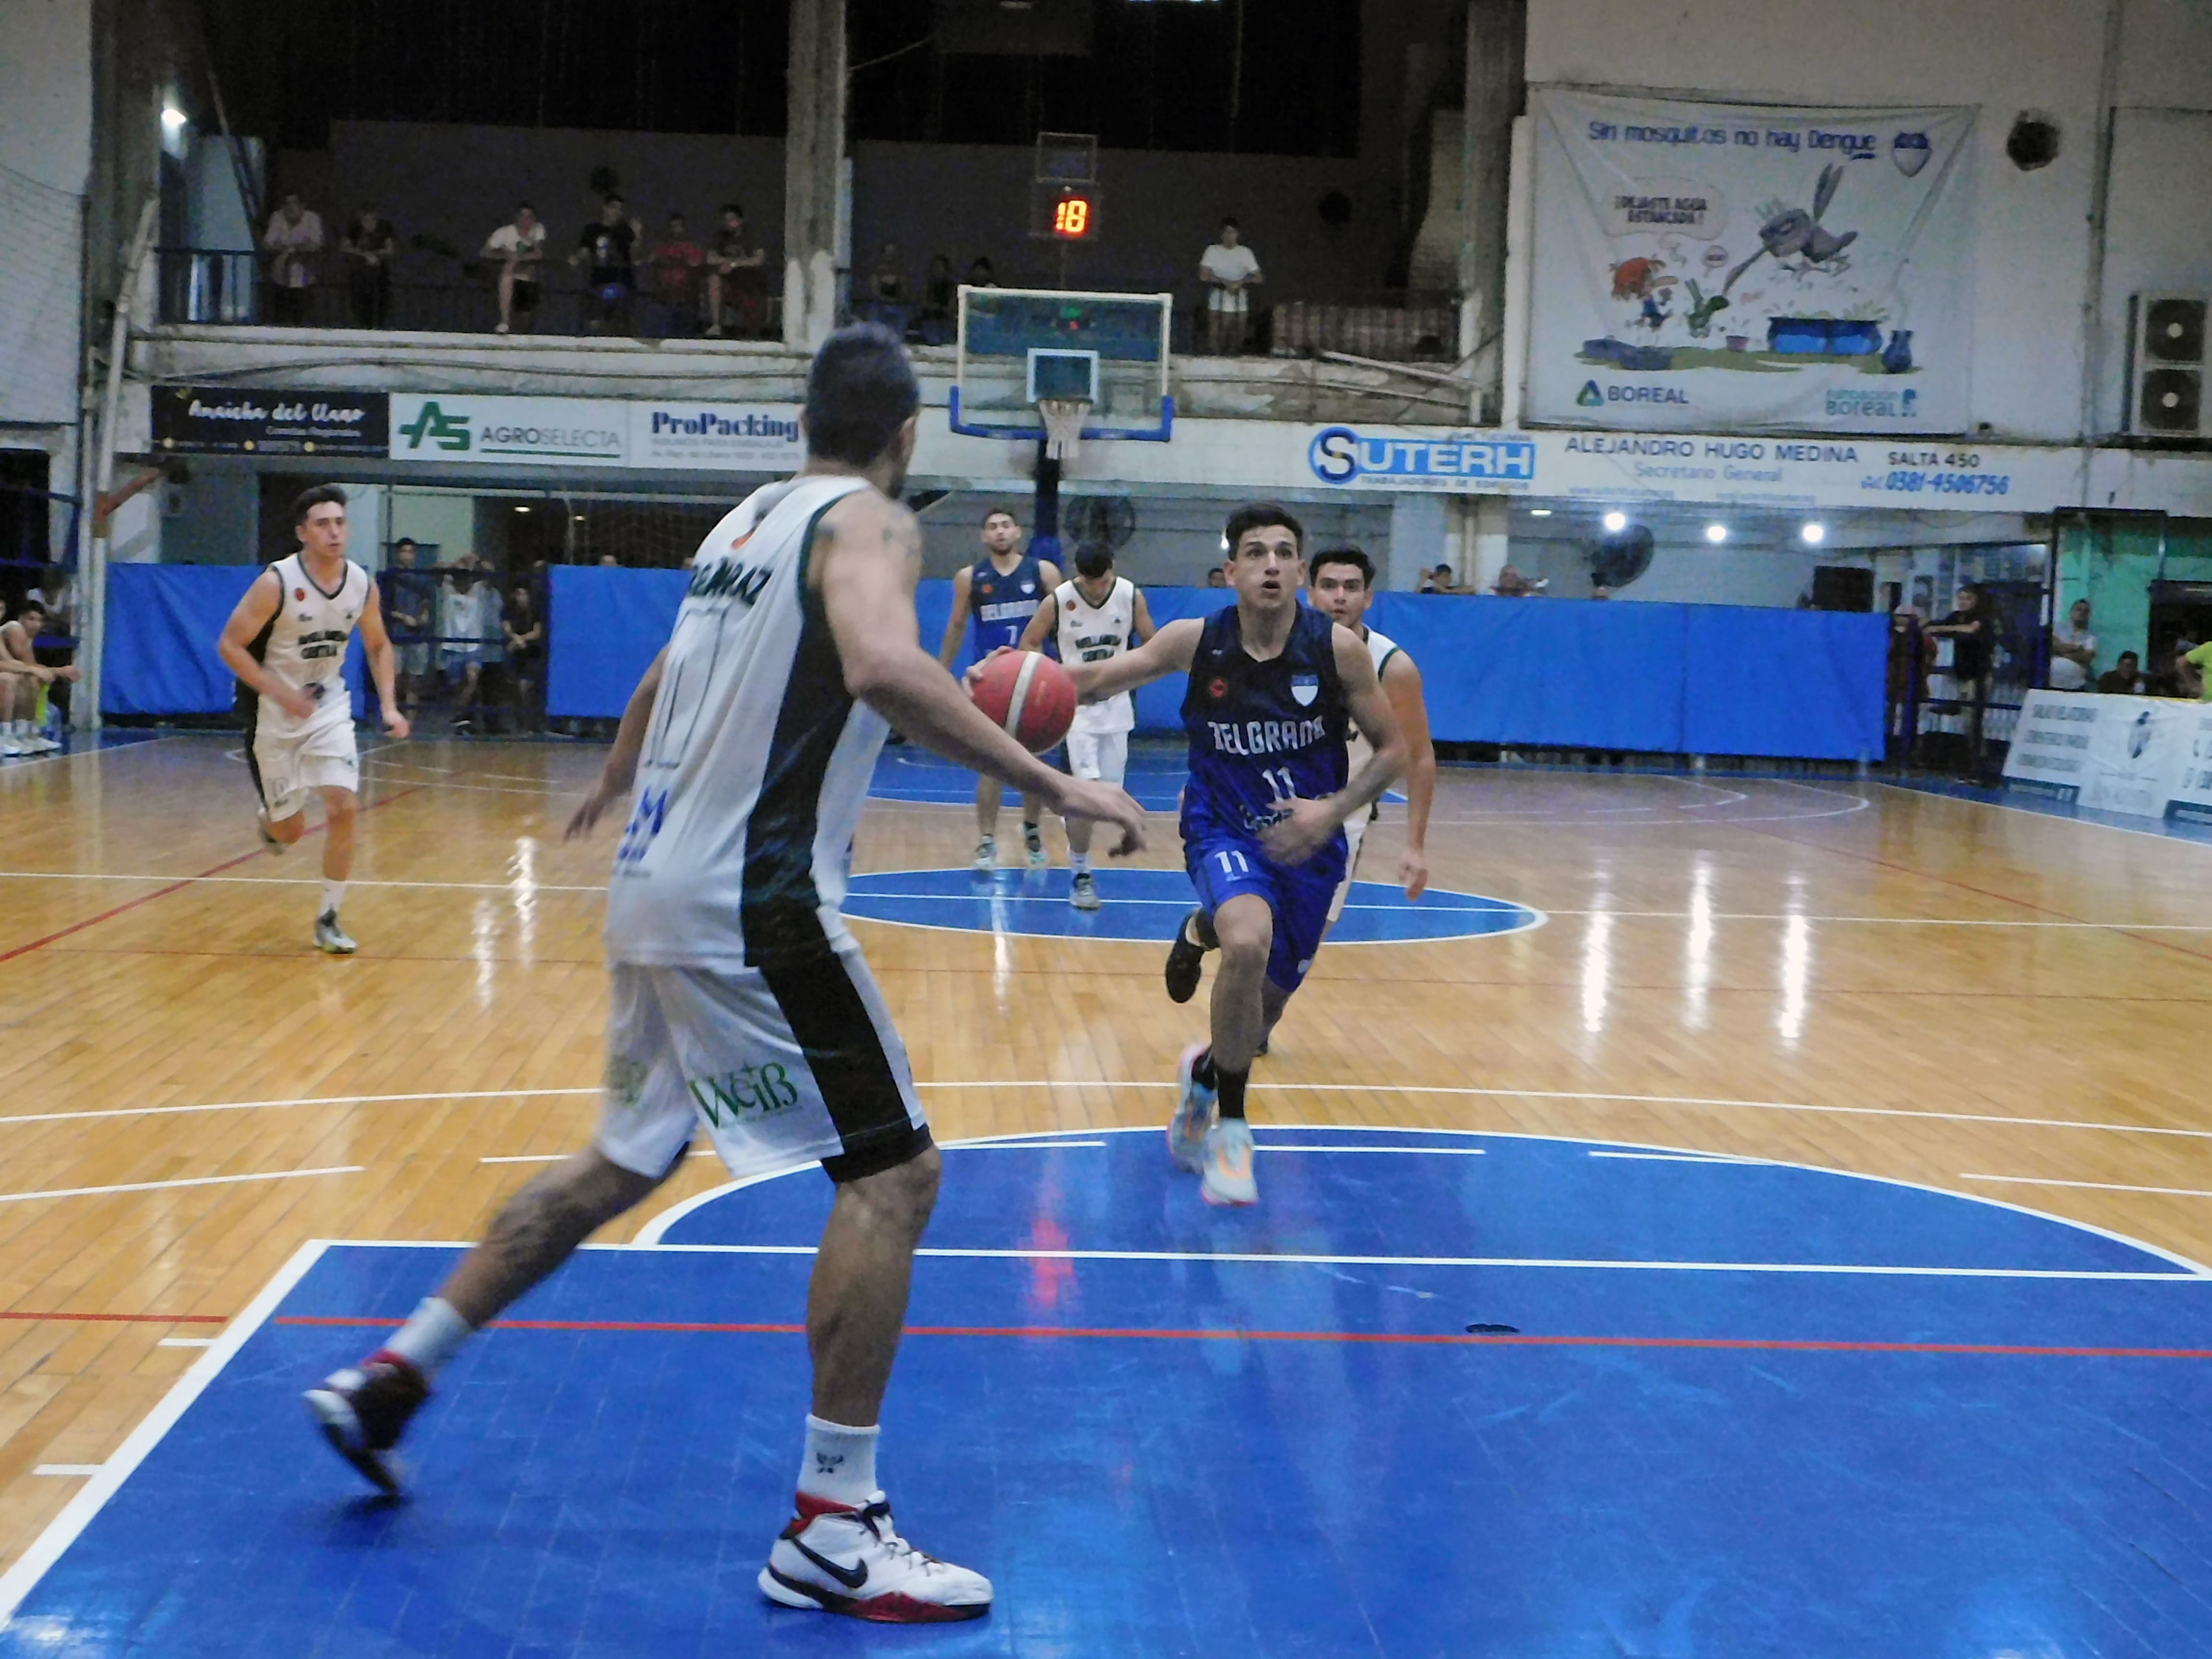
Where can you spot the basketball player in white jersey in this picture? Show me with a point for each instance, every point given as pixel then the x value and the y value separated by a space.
pixel 1340 583
pixel 740 1004
pixel 286 641
pixel 1096 616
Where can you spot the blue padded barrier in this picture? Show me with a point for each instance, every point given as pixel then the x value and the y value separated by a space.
pixel 163 621
pixel 1810 683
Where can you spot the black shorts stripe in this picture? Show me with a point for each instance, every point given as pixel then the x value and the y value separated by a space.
pixel 830 1022
pixel 253 712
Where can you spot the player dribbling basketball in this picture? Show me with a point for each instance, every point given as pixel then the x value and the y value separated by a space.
pixel 1094 619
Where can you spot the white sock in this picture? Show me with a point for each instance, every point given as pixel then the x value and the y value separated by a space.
pixel 840 1464
pixel 431 1337
pixel 334 894
pixel 1079 862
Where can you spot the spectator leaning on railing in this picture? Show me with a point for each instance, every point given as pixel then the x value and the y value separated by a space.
pixel 736 279
pixel 2073 650
pixel 2126 679
pixel 367 246
pixel 676 258
pixel 519 248
pixel 293 243
pixel 1229 271
pixel 609 251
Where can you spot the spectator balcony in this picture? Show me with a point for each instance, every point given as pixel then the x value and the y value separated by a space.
pixel 1395 358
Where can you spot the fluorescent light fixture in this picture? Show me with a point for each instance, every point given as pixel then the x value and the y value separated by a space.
pixel 1539 511
pixel 520 508
pixel 1814 534
pixel 1716 533
pixel 172 119
pixel 1615 523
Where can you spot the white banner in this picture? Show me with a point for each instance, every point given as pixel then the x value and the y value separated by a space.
pixel 717 437
pixel 2135 755
pixel 460 426
pixel 1748 267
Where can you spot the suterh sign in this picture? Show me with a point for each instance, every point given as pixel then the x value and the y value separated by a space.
pixel 228 421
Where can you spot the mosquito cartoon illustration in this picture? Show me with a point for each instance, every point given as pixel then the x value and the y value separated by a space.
pixel 1793 233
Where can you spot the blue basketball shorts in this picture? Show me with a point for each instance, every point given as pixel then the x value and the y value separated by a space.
pixel 1223 867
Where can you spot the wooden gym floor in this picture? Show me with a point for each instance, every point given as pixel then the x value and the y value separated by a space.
pixel 1854 977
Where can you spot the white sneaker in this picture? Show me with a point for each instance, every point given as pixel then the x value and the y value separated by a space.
pixel 40 744
pixel 853 1562
pixel 1194 1114
pixel 9 746
pixel 330 937
pixel 1083 893
pixel 1226 1177
pixel 987 856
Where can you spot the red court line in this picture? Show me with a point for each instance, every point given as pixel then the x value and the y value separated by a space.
pixel 1424 1338
pixel 179 884
pixel 126 1319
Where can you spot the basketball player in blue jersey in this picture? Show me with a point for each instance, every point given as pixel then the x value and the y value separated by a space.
pixel 1001 591
pixel 1275 687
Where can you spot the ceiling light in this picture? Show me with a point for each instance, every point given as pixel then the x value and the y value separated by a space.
pixel 173 117
pixel 1814 534
pixel 1539 511
pixel 1716 533
pixel 1615 523
pixel 520 508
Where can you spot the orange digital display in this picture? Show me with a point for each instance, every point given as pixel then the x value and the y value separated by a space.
pixel 1070 216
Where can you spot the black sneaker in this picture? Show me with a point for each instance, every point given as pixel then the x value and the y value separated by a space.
pixel 1186 960
pixel 364 1410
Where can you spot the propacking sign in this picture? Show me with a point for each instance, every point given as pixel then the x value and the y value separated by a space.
pixel 1749 267
pixel 460 426
pixel 717 437
pixel 226 421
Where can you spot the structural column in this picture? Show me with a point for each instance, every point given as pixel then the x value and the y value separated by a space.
pixel 1496 36
pixel 813 171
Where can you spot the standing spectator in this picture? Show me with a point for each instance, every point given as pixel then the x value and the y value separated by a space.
pixel 2126 679
pixel 293 242
pixel 1968 630
pixel 1229 271
pixel 519 248
pixel 676 260
pixel 2193 668
pixel 407 608
pixel 367 246
pixel 736 277
pixel 462 611
pixel 940 299
pixel 982 273
pixel 2072 651
pixel 609 250
pixel 525 653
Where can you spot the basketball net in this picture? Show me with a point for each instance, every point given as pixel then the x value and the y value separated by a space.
pixel 1063 425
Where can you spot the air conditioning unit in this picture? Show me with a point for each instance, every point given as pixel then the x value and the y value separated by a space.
pixel 2167 366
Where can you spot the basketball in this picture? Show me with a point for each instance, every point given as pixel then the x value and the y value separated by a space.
pixel 1030 695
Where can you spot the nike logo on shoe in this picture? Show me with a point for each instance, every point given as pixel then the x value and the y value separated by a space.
pixel 851 1577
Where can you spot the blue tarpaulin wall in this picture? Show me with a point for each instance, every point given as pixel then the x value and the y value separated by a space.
pixel 163 621
pixel 1704 679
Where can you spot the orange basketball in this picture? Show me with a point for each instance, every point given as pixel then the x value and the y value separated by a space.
pixel 1030 695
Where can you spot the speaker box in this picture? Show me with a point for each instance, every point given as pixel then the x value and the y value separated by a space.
pixel 1842 587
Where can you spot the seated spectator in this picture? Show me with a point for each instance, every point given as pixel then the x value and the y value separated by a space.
pixel 1437 580
pixel 22 674
pixel 608 559
pixel 1230 271
pixel 1510 584
pixel 367 246
pixel 410 599
pixel 2126 680
pixel 2191 673
pixel 938 321
pixel 1599 590
pixel 676 260
pixel 2073 650
pixel 519 248
pixel 293 243
pixel 982 273
pixel 886 301
pixel 1217 577
pixel 56 595
pixel 737 278
pixel 608 249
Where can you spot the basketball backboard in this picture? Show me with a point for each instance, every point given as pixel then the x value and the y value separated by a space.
pixel 1017 345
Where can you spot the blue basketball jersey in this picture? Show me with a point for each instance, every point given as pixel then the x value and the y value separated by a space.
pixel 1261 732
pixel 1003 605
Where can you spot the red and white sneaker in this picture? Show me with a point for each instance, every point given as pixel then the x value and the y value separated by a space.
pixel 851 1561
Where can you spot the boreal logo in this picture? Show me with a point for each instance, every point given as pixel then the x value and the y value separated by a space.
pixel 1589 397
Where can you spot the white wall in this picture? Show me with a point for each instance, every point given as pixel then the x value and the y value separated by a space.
pixel 1682 572
pixel 2033 246
pixel 46 91
pixel 45 159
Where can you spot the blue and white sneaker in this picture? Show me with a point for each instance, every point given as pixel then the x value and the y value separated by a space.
pixel 1194 1114
pixel 1226 1177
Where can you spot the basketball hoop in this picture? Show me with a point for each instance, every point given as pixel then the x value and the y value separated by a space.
pixel 1063 425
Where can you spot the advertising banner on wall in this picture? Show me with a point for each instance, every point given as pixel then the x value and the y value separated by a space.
pixel 2141 755
pixel 461 427
pixel 717 437
pixel 191 420
pixel 1749 266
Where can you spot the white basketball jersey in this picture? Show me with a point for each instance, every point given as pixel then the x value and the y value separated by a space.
pixel 757 759
pixel 306 646
pixel 1357 749
pixel 1090 633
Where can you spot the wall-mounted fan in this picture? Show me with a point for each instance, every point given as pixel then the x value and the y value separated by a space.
pixel 1111 520
pixel 1620 558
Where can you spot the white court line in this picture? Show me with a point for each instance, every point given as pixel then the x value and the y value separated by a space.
pixel 188 1342
pixel 47 1547
pixel 2092 1186
pixel 75 1470
pixel 508 886
pixel 1273 1258
pixel 1403 1151
pixel 164 1186
pixel 303 1100
pixel 1677 1158
pixel 24 763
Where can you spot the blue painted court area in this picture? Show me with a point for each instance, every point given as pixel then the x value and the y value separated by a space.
pixel 1716 1410
pixel 1150 904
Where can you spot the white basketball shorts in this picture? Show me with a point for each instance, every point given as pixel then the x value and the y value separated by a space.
pixel 287 768
pixel 780 1065
pixel 1102 756
pixel 1354 833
